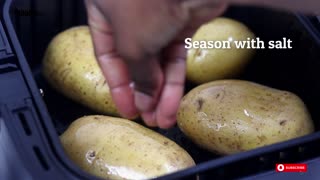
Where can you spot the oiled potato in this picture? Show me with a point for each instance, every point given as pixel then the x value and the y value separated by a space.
pixel 70 66
pixel 208 64
pixel 115 148
pixel 231 116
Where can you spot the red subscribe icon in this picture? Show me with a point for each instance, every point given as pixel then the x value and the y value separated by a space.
pixel 291 167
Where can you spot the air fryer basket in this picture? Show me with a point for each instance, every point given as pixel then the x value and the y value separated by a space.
pixel 36 22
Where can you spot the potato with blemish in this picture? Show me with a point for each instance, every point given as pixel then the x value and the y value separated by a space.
pixel 232 116
pixel 115 148
pixel 70 66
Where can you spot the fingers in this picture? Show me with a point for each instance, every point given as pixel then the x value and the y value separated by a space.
pixel 157 92
pixel 112 66
pixel 148 79
pixel 175 68
pixel 172 92
pixel 118 80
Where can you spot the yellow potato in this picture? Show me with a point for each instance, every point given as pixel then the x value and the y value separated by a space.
pixel 70 66
pixel 208 64
pixel 115 148
pixel 231 116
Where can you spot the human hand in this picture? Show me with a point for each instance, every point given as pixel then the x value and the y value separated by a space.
pixel 142 42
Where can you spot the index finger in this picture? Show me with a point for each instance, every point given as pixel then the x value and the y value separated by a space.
pixel 173 89
pixel 112 66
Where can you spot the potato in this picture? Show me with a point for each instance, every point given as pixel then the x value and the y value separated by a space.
pixel 232 116
pixel 70 66
pixel 115 148
pixel 208 64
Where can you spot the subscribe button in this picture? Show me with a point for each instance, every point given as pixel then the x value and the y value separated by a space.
pixel 291 167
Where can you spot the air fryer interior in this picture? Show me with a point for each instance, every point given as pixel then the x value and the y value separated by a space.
pixel 295 70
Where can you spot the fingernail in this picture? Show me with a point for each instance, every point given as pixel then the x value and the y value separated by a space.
pixel 167 123
pixel 130 116
pixel 144 103
pixel 150 119
pixel 131 113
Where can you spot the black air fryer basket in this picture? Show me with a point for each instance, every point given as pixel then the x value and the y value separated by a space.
pixel 31 121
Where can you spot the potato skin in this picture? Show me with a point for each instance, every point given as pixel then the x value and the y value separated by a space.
pixel 115 148
pixel 70 67
pixel 206 65
pixel 232 116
